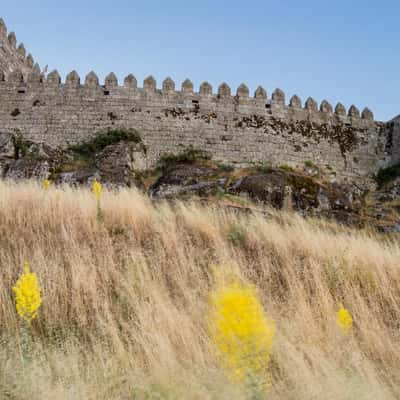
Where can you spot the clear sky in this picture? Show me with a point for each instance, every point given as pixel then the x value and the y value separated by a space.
pixel 347 51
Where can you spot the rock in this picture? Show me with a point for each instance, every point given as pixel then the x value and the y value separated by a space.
pixel 44 152
pixel 390 192
pixel 27 168
pixel 185 179
pixel 7 149
pixel 291 190
pixel 117 163
pixel 273 187
pixel 79 177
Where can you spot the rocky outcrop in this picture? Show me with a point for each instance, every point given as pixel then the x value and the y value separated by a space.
pixel 115 164
pixel 186 179
pixel 119 159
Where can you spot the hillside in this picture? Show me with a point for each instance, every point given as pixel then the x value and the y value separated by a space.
pixel 126 298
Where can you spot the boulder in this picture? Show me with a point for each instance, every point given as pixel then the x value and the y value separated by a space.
pixel 188 179
pixel 118 163
pixel 7 148
pixel 79 177
pixel 27 168
pixel 291 190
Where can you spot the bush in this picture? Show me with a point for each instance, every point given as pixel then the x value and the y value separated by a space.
pixel 188 156
pixel 386 175
pixel 104 139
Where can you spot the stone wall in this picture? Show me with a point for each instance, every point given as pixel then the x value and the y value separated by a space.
pixel 235 129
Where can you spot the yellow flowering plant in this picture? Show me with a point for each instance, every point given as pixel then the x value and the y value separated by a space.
pixel 46 184
pixel 97 190
pixel 241 332
pixel 27 295
pixel 344 319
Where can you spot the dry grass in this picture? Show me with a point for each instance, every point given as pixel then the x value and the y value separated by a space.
pixel 125 302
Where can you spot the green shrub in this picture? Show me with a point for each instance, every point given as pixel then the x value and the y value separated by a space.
pixel 89 148
pixel 386 175
pixel 264 167
pixel 309 164
pixel 286 167
pixel 236 235
pixel 188 156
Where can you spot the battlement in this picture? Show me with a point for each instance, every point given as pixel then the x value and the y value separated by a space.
pixel 242 102
pixel 13 56
pixel 236 128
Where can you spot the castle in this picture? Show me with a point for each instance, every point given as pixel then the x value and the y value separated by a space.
pixel 234 128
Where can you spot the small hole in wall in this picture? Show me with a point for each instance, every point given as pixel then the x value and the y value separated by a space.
pixel 21 91
pixel 15 112
pixel 106 93
pixel 268 106
pixel 112 116
pixel 195 101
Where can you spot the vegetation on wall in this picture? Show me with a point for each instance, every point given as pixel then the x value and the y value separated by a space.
pixel 88 148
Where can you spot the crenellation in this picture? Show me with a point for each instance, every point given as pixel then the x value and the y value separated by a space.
pixel 354 112
pixel 224 90
pixel 168 86
pixel 278 97
pixel 260 93
pixel 205 89
pixel 30 61
pixel 111 81
pixel 150 85
pixel 340 110
pixel 326 107
pixel 34 77
pixel 92 80
pixel 187 87
pixel 21 52
pixel 130 82
pixel 12 40
pixel 73 80
pixel 54 78
pixel 242 91
pixel 3 28
pixel 295 102
pixel 311 105
pixel 367 114
pixel 238 129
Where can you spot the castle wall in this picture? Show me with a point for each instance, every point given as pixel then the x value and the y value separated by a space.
pixel 238 129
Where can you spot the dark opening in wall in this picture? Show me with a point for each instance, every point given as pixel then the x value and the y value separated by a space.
pixel 268 106
pixel 112 116
pixel 15 112
pixel 21 91
pixel 195 101
pixel 106 93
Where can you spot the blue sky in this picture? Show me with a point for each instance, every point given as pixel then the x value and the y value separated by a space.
pixel 347 51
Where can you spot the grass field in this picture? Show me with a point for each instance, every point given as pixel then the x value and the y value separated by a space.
pixel 126 300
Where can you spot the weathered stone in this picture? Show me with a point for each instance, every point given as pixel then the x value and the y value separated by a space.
pixel 117 163
pixel 7 149
pixel 186 179
pixel 27 168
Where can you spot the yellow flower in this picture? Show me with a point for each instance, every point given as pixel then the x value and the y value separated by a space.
pixel 240 330
pixel 27 295
pixel 344 319
pixel 97 189
pixel 46 184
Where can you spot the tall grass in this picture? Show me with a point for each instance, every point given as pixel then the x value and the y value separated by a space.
pixel 125 302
